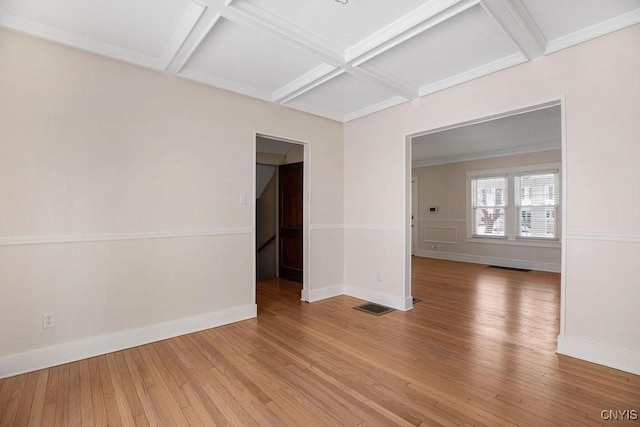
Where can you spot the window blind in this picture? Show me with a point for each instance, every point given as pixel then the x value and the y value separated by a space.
pixel 489 201
pixel 537 200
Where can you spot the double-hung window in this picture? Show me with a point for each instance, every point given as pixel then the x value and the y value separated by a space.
pixel 517 205
pixel 489 202
pixel 537 205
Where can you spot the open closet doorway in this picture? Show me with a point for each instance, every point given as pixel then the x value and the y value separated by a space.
pixel 491 194
pixel 280 215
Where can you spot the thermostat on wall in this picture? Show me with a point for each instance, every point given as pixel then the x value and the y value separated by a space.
pixel 433 209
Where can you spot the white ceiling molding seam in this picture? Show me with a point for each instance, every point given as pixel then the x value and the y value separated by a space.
pixel 296 87
pixel 258 19
pixel 187 24
pixel 512 16
pixel 423 25
pixel 337 72
pixel 208 20
pixel 381 78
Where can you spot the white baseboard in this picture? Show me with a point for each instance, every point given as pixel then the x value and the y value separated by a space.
pixel 41 358
pixel 323 293
pixel 381 298
pixel 612 357
pixel 502 262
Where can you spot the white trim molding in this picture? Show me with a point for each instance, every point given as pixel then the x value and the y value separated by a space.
pixel 76 238
pixel 609 237
pixel 373 227
pixel 597 30
pixel 502 262
pixel 322 293
pixel 41 358
pixel 601 354
pixel 326 227
pixel 382 298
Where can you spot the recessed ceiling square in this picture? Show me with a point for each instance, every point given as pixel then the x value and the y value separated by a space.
pixel 245 57
pixel 469 40
pixel 341 96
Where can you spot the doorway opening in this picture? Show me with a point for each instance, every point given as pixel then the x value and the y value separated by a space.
pixel 491 191
pixel 281 214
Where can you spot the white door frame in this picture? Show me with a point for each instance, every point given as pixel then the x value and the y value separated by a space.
pixel 306 214
pixel 560 100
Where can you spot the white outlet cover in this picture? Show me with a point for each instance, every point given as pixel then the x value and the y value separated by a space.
pixel 48 320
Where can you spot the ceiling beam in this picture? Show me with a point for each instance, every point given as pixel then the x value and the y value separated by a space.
pixel 380 77
pixel 180 35
pixel 200 30
pixel 259 19
pixel 301 82
pixel 425 24
pixel 396 28
pixel 516 21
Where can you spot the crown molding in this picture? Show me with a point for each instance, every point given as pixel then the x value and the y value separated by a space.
pixel 318 112
pixel 481 71
pixel 288 91
pixel 514 18
pixel 525 149
pixel 597 30
pixel 211 80
pixel 388 103
pixel 46 32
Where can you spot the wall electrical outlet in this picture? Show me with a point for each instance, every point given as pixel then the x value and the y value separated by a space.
pixel 48 320
pixel 379 277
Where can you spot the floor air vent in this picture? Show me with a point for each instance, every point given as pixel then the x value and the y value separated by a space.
pixel 524 270
pixel 375 309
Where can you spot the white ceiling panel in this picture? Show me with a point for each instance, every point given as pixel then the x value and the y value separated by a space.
pixel 341 25
pixel 238 54
pixel 141 26
pixel 342 96
pixel 562 17
pixel 468 40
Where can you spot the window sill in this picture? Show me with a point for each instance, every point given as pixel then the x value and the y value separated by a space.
pixel 516 242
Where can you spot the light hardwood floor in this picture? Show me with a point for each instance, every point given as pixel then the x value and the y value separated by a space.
pixel 478 350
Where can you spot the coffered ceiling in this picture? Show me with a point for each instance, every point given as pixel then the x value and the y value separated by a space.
pixel 340 61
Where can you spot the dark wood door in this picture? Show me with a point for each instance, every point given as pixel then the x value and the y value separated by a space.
pixel 291 179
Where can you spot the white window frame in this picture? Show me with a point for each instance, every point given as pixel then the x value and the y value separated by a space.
pixel 511 221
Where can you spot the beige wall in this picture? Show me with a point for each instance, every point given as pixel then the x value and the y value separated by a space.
pixel 445 186
pixel 94 147
pixel 599 83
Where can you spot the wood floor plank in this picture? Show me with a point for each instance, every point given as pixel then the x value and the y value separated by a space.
pixel 479 349
pixel 37 405
pixel 22 414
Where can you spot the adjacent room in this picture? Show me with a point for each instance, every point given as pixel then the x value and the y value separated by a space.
pixel 197 194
